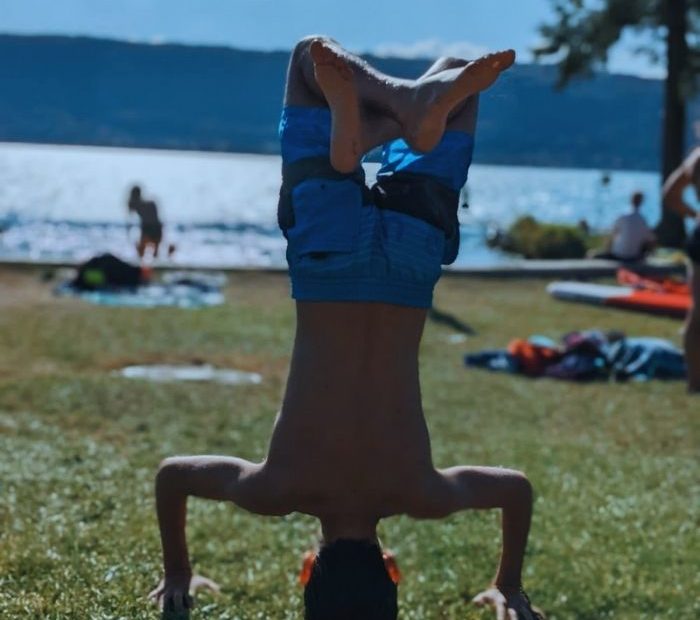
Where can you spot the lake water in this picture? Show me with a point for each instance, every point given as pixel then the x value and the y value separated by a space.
pixel 66 202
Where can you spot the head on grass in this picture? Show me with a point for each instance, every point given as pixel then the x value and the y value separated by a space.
pixel 349 580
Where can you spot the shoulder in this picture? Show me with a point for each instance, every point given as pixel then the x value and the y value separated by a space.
pixel 641 219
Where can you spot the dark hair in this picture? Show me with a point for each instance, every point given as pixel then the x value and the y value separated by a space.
pixel 637 199
pixel 349 581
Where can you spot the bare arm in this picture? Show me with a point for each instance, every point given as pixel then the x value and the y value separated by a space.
pixel 209 477
pixel 481 488
pixel 673 193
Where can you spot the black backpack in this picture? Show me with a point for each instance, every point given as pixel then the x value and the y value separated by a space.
pixel 106 271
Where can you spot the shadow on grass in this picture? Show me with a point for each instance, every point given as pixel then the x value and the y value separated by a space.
pixel 451 321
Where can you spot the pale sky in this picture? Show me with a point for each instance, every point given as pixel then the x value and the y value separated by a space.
pixel 407 27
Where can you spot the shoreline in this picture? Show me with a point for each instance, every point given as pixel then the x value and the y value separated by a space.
pixel 515 269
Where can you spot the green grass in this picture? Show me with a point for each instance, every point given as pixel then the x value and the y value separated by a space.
pixel 615 466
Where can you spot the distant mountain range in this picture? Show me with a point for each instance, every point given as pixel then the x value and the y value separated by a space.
pixel 70 90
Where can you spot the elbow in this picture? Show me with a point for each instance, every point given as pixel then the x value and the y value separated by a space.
pixel 521 492
pixel 170 475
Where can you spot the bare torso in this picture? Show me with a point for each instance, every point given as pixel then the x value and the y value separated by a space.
pixel 146 210
pixel 351 434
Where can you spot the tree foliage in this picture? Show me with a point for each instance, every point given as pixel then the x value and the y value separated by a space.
pixel 583 32
pixel 581 35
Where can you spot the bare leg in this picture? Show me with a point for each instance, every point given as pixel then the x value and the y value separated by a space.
pixel 378 128
pixel 692 332
pixel 321 71
pixel 456 107
pixel 463 117
pixel 336 79
pixel 141 247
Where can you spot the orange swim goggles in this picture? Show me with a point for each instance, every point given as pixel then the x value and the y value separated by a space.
pixel 392 567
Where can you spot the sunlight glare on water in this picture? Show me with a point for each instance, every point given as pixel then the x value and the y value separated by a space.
pixel 68 202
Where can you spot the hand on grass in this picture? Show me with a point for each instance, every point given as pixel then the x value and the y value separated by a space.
pixel 509 604
pixel 174 594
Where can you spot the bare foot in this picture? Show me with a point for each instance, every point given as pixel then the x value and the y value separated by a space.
pixel 438 94
pixel 337 81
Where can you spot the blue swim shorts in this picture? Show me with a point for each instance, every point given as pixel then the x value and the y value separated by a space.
pixel 349 243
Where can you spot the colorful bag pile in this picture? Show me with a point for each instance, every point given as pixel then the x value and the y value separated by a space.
pixel 585 356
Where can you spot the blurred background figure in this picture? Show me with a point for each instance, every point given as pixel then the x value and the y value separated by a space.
pixel 631 238
pixel 151 226
pixel 685 176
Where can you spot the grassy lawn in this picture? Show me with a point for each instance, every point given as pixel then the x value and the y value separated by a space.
pixel 615 467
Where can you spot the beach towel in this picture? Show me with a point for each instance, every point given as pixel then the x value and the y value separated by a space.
pixel 148 296
pixel 179 289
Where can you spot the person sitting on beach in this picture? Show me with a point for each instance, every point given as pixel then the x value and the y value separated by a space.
pixel 151 226
pixel 631 238
pixel 687 175
pixel 350 445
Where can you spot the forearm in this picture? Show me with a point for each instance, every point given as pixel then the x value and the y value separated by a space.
pixel 490 487
pixel 515 526
pixel 171 507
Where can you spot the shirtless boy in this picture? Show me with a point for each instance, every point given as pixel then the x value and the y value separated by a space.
pixel 363 264
pixel 688 174
pixel 151 226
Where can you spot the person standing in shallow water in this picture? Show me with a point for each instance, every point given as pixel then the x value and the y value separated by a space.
pixel 688 175
pixel 350 445
pixel 151 226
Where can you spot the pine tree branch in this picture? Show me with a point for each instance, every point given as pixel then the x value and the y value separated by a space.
pixel 580 38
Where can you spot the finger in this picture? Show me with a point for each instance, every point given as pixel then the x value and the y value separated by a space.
pixel 203 582
pixel 157 592
pixel 512 614
pixel 212 585
pixel 180 604
pixel 485 598
pixel 168 605
pixel 157 600
pixel 169 615
pixel 189 602
pixel 500 611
